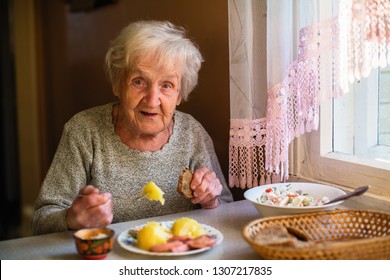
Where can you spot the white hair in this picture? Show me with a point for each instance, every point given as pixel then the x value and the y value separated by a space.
pixel 142 38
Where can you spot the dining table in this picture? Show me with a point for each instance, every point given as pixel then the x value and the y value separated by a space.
pixel 229 219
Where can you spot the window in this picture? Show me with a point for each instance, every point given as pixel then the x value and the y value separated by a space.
pixel 361 124
pixel 351 148
pixel 384 108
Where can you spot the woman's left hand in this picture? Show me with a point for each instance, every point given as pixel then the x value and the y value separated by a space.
pixel 206 188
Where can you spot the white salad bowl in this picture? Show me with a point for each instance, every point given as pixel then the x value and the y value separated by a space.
pixel 316 190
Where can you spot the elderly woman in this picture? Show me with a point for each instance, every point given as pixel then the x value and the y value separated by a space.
pixel 108 153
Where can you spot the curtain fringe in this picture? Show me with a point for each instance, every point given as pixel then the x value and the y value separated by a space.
pixel 246 168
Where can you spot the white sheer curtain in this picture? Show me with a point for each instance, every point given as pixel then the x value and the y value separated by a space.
pixel 248 93
pixel 250 84
pixel 310 57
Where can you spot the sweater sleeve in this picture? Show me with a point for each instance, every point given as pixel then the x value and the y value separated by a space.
pixel 67 174
pixel 207 157
pixel 226 195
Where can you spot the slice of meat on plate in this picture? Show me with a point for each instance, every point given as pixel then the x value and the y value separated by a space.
pixel 202 242
pixel 167 247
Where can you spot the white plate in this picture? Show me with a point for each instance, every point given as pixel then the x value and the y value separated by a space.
pixel 129 243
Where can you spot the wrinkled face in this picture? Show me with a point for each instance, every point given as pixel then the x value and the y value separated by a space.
pixel 150 96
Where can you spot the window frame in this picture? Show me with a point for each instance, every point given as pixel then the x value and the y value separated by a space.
pixel 314 160
pixel 355 123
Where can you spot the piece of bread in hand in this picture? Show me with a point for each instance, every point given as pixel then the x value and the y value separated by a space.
pixel 183 185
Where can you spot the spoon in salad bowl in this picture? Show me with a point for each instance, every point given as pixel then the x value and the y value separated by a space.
pixel 356 192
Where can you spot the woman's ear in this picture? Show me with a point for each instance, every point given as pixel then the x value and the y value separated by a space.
pixel 179 99
pixel 116 92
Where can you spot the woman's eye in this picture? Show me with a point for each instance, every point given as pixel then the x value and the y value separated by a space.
pixel 137 82
pixel 166 86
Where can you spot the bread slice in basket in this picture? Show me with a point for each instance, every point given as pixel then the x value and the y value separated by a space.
pixel 274 235
pixel 278 235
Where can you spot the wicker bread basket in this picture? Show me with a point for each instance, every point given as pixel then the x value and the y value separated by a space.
pixel 338 234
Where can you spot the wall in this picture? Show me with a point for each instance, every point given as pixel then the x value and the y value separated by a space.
pixel 71 48
pixel 9 171
pixel 75 45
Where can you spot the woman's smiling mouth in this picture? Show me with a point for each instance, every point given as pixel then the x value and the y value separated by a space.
pixel 148 114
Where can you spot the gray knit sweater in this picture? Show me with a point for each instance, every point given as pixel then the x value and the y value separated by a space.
pixel 91 153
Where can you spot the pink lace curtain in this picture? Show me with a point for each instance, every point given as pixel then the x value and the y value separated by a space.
pixel 308 60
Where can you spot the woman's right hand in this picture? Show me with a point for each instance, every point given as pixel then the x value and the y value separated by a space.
pixel 90 209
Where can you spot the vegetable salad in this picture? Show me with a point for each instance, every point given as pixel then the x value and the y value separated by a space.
pixel 284 196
